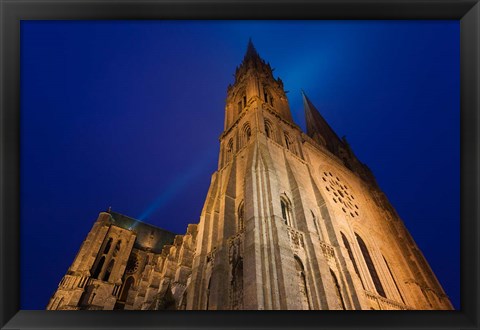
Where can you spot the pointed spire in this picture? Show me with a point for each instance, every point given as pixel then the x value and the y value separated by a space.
pixel 317 126
pixel 251 51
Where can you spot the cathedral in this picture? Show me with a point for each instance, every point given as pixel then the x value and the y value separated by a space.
pixel 292 221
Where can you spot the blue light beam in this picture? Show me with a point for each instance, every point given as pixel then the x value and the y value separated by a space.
pixel 179 183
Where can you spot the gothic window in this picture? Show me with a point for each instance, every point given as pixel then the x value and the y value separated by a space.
pixel 302 284
pixel 242 103
pixel 338 290
pixel 352 258
pixel 340 194
pixel 393 278
pixel 247 133
pixel 108 245
pixel 287 141
pixel 265 96
pixel 229 150
pixel 126 287
pixel 133 264
pixel 117 248
pixel 286 210
pixel 268 129
pixel 99 267
pixel 271 101
pixel 371 267
pixel 108 271
pixel 241 214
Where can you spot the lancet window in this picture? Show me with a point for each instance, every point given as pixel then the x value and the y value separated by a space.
pixel 352 258
pixel 371 267
pixel 269 130
pixel 241 215
pixel 247 133
pixel 286 210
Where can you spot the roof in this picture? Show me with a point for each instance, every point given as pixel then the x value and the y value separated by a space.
pixel 148 236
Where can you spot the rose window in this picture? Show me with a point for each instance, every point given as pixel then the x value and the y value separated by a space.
pixel 340 194
pixel 132 264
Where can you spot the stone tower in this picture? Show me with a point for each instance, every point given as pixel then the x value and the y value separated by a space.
pixel 295 220
pixel 292 220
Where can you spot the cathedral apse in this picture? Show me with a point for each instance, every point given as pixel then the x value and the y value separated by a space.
pixel 292 220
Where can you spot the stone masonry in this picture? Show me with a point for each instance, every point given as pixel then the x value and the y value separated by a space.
pixel 291 221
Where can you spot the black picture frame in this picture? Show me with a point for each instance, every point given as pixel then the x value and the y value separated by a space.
pixel 12 12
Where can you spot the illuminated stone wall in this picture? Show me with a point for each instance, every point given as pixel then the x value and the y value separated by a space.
pixel 292 220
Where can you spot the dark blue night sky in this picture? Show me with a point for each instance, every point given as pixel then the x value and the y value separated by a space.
pixel 128 115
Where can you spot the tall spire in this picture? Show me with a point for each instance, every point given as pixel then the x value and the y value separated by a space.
pixel 251 51
pixel 318 128
pixel 252 60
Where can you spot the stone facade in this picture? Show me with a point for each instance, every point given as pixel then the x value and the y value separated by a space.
pixel 291 221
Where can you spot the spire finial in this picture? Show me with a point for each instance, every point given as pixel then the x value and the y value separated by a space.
pixel 251 51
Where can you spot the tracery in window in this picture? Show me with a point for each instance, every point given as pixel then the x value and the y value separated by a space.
pixel 340 194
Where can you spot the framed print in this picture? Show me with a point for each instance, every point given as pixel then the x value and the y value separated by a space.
pixel 347 146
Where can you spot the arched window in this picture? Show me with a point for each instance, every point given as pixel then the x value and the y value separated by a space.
pixel 393 278
pixel 286 210
pixel 108 271
pixel 241 215
pixel 352 258
pixel 302 284
pixel 371 266
pixel 108 245
pixel 117 248
pixel 268 129
pixel 242 102
pixel 247 133
pixel 99 267
pixel 229 149
pixel 287 141
pixel 338 290
pixel 126 287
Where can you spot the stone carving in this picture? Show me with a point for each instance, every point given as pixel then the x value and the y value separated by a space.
pixel 296 239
